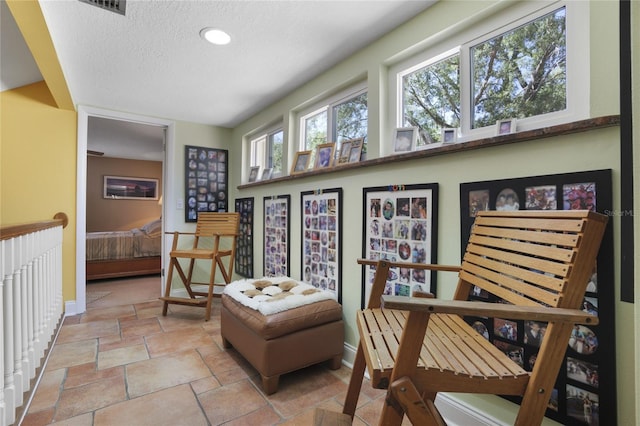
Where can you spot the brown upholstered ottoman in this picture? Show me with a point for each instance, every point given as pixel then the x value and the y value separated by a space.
pixel 285 341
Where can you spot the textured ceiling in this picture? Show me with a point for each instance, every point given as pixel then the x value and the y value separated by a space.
pixel 153 62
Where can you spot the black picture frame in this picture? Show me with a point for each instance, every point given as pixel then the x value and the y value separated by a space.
pixel 244 245
pixel 321 242
pixel 400 224
pixel 588 370
pixel 277 222
pixel 206 181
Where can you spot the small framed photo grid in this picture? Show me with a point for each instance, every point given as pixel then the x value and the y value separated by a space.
pixel 276 235
pixel 400 224
pixel 244 246
pixel 585 389
pixel 322 239
pixel 206 180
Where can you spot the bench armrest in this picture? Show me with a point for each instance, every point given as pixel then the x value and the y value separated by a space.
pixel 431 267
pixel 485 309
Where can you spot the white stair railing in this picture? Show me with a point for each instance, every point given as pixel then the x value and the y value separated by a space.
pixel 32 305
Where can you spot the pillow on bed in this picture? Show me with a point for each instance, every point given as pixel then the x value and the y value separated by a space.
pixel 152 228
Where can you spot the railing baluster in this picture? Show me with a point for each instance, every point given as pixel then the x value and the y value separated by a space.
pixel 31 301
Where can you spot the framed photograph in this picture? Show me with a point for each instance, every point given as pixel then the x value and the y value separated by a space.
pixel 356 150
pixel 301 162
pixel 206 180
pixel 449 135
pixel 345 152
pixel 276 236
pixel 244 245
pixel 589 379
pixel 404 139
pixel 322 240
pixel 324 155
pixel 130 188
pixel 504 127
pixel 400 225
pixel 253 174
pixel 266 174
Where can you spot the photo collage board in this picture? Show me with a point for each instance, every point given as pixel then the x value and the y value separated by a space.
pixel 400 225
pixel 206 180
pixel 322 240
pixel 276 235
pixel 585 389
pixel 244 245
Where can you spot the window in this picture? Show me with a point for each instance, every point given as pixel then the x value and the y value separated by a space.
pixel 431 99
pixel 520 73
pixel 266 151
pixel 341 117
pixel 523 63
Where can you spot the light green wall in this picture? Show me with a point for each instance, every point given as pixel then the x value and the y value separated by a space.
pixel 591 150
pixel 191 134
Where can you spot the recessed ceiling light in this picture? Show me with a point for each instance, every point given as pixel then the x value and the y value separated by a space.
pixel 215 36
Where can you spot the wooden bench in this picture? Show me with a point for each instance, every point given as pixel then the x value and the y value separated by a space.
pixel 537 262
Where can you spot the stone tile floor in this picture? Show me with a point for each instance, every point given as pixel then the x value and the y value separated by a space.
pixel 123 363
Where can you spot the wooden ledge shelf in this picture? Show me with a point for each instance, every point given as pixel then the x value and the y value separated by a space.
pixel 527 135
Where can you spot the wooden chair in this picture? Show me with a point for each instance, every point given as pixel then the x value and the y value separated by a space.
pixel 214 242
pixel 538 262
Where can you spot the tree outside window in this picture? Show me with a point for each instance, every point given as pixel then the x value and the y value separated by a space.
pixel 431 99
pixel 521 73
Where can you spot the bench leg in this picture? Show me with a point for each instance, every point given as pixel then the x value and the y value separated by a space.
pixel 270 384
pixel 336 362
pixel 226 344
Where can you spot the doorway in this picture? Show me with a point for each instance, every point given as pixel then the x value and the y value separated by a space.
pixel 97 131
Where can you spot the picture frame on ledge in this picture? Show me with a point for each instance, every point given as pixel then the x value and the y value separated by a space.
pixel 505 127
pixel 253 173
pixel 300 162
pixel 266 173
pixel 345 151
pixel 449 136
pixel 355 152
pixel 405 139
pixel 324 155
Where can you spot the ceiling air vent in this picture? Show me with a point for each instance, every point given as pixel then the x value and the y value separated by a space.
pixel 112 5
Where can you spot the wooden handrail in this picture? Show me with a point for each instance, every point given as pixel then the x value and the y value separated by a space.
pixel 12 231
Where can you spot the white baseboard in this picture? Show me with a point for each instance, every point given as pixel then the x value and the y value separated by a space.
pixel 70 308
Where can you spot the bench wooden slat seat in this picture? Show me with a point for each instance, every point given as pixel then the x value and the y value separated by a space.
pixel 537 262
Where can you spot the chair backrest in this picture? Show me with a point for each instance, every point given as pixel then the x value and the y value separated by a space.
pixel 212 224
pixel 532 258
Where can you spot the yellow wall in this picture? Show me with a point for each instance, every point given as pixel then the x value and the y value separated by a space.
pixel 38 166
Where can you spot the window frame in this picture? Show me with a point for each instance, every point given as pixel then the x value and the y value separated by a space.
pixel 327 105
pixel 266 153
pixel 503 21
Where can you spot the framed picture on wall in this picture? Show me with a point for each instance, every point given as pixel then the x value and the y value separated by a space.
pixel 322 239
pixel 206 180
pixel 400 225
pixel 585 389
pixel 276 236
pixel 244 246
pixel 130 188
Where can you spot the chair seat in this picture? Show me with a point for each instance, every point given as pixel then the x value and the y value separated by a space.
pixel 452 353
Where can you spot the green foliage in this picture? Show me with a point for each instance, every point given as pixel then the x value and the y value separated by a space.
pixel 431 99
pixel 521 73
